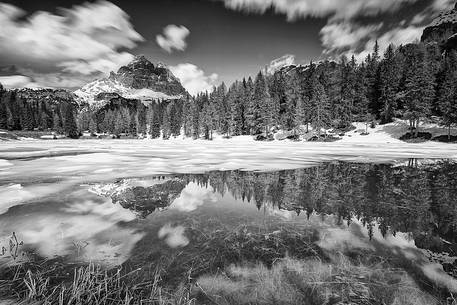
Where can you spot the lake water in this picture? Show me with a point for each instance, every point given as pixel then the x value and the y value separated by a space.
pixel 403 211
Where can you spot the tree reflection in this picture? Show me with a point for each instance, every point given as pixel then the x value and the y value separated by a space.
pixel 421 199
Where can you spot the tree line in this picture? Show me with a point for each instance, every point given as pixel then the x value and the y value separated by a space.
pixel 120 116
pixel 43 109
pixel 411 82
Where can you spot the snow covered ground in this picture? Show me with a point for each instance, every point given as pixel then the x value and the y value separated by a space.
pixel 390 133
pixel 24 165
pixel 137 158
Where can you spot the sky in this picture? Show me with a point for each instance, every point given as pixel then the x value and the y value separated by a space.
pixel 67 43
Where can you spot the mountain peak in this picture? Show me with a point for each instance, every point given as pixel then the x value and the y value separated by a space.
pixel 141 73
pixel 140 61
pixel 139 79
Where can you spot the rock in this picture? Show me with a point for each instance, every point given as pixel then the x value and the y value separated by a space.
pixel 139 80
pixel 443 30
pixel 142 74
pixel 421 136
pixel 262 137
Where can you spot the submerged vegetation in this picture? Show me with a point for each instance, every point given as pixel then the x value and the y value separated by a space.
pixel 331 254
pixel 313 282
pixel 246 265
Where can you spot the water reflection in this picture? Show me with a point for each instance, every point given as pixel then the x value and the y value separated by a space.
pixel 408 210
pixel 416 199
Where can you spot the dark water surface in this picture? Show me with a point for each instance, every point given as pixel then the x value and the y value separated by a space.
pixel 202 222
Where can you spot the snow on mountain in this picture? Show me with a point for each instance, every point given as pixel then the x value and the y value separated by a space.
pixel 140 80
pixel 279 63
pixel 89 92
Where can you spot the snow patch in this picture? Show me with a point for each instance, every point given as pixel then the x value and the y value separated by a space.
pixel 90 91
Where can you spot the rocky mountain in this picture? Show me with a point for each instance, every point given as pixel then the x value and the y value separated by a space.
pixel 443 30
pixel 279 63
pixel 139 80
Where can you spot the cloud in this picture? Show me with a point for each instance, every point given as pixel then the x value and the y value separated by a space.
pixel 341 9
pixel 443 5
pixel 110 62
pixel 396 36
pixel 31 79
pixel 174 37
pixel 193 78
pixel 17 81
pixel 336 36
pixel 85 39
pixel 343 34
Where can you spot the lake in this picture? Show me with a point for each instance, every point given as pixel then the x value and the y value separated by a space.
pixel 323 224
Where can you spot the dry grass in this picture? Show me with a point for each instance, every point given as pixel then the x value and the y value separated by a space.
pixel 311 282
pixel 282 266
pixel 92 285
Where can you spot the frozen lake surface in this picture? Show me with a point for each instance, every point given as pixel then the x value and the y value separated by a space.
pixel 137 203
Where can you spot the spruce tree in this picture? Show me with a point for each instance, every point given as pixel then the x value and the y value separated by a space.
pixel 166 127
pixel 320 116
pixel 419 90
pixel 373 80
pixel 57 122
pixel 27 117
pixel 3 115
pixel 92 126
pixel 300 116
pixel 154 123
pixel 261 116
pixel 389 78
pixel 447 93
pixel 70 126
pixel 249 107
pixel 348 93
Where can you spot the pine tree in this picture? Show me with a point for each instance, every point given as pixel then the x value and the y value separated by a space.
pixel 154 123
pixel 278 95
pixel 92 126
pixel 261 116
pixel 249 107
pixel 195 110
pixel 373 80
pixel 419 90
pixel 320 116
pixel 235 105
pixel 133 124
pixel 70 126
pixel 27 117
pixel 348 93
pixel 447 93
pixel 141 118
pixel 3 115
pixel 389 79
pixel 300 116
pixel 57 123
pixel 166 127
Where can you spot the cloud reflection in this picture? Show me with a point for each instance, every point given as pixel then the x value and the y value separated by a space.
pixel 83 231
pixel 174 236
pixel 192 197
